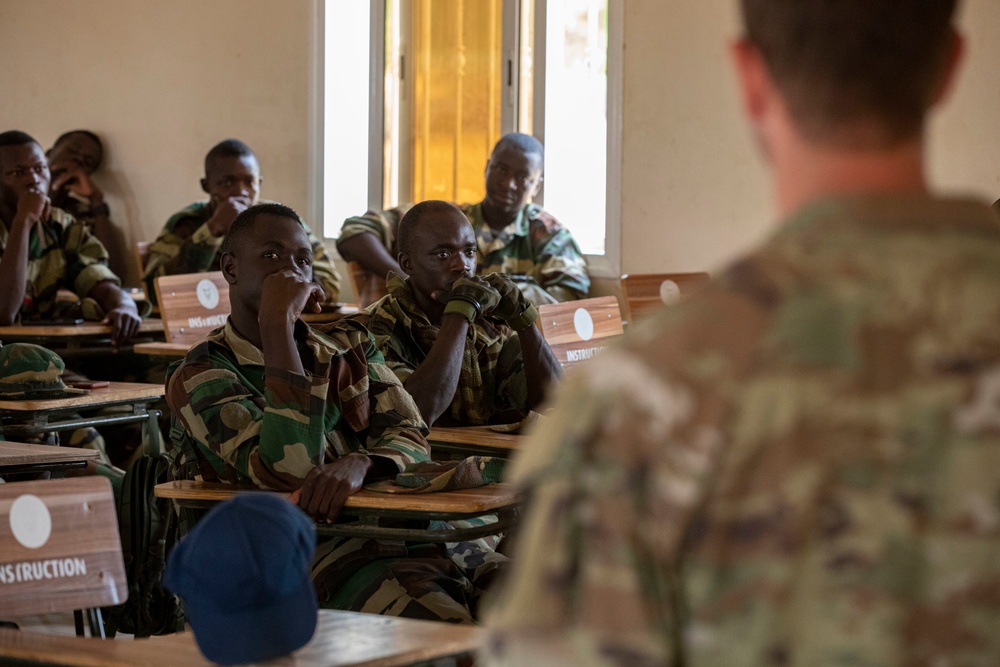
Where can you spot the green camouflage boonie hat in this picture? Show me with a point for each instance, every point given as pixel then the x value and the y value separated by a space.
pixel 31 371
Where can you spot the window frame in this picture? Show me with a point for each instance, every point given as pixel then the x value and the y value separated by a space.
pixel 607 265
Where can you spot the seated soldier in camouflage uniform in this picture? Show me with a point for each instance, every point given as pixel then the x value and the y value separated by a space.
pixel 267 400
pixel 191 239
pixel 465 347
pixel 44 249
pixel 73 159
pixel 513 235
pixel 801 465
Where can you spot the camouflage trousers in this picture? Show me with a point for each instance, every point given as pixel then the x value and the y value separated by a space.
pixel 440 582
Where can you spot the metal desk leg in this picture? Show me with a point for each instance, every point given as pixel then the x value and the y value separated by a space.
pixel 96 622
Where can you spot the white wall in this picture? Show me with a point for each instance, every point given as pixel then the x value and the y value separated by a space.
pixel 965 137
pixel 161 81
pixel 694 192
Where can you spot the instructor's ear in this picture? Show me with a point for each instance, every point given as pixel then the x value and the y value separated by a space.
pixel 753 78
pixel 950 69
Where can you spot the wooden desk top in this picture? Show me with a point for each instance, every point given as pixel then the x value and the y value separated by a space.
pixel 178 350
pixel 467 501
pixel 19 453
pixel 475 435
pixel 173 350
pixel 342 639
pixel 87 329
pixel 117 392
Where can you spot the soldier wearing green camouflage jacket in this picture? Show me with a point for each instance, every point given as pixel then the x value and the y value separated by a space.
pixel 465 347
pixel 801 466
pixel 190 242
pixel 514 236
pixel 73 159
pixel 43 249
pixel 268 401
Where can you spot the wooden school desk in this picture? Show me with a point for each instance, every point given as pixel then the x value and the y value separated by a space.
pixel 172 351
pixel 76 340
pixel 370 508
pixel 162 350
pixel 462 441
pixel 37 416
pixel 17 457
pixel 342 639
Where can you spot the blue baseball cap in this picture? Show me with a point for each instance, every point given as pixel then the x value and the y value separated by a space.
pixel 243 576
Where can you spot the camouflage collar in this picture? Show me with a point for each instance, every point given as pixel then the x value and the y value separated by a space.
pixel 247 354
pixel 490 240
pixel 900 212
pixel 51 229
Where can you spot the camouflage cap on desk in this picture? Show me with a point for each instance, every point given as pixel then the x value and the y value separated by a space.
pixel 32 371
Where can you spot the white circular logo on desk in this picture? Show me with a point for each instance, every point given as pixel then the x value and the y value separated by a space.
pixel 208 294
pixel 583 323
pixel 30 521
pixel 670 292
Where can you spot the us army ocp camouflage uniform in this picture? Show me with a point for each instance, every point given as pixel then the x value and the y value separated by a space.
pixel 800 467
pixel 62 254
pixel 185 245
pixel 233 422
pixel 535 245
pixel 492 388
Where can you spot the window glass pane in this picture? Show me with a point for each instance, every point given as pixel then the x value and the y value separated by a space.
pixel 576 128
pixel 456 46
pixel 345 125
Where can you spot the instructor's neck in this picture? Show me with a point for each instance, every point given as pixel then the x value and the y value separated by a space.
pixel 806 172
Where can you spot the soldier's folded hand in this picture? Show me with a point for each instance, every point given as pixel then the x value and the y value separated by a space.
pixel 471 297
pixel 33 206
pixel 512 301
pixel 285 295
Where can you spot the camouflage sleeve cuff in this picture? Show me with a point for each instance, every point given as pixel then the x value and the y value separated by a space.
pixel 90 276
pixel 203 236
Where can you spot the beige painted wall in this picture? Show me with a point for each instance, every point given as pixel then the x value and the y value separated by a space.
pixel 694 192
pixel 162 80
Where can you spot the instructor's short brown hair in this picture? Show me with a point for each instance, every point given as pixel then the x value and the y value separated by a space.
pixel 840 62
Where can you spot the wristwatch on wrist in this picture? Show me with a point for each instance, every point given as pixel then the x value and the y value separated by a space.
pixel 525 319
pixel 465 307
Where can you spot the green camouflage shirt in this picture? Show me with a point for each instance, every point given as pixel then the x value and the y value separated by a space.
pixel 535 245
pixel 800 466
pixel 235 421
pixel 186 245
pixel 491 387
pixel 62 254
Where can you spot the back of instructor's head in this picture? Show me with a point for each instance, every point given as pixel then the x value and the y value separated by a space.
pixel 841 62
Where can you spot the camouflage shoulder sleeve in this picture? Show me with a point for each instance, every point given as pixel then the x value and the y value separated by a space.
pixel 385 323
pixel 383 224
pixel 324 270
pixel 185 245
pixel 271 439
pixel 559 264
pixel 86 257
